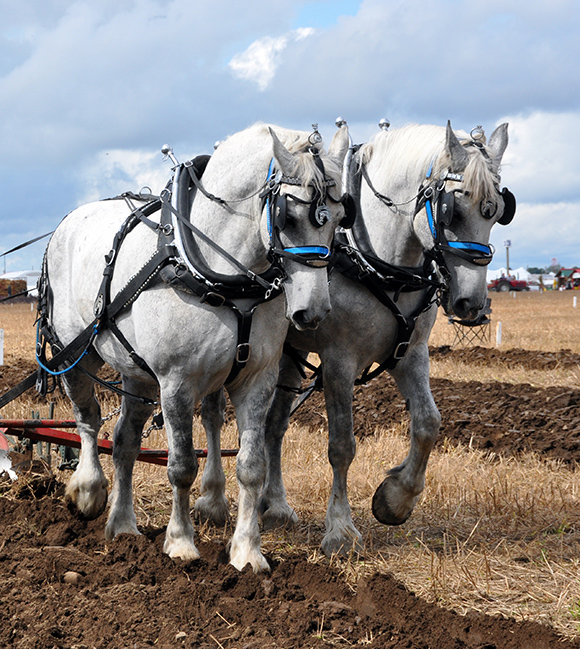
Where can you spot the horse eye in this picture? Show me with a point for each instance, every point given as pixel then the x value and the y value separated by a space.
pixel 290 220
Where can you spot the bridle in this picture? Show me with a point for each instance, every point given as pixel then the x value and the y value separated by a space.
pixel 276 204
pixel 439 205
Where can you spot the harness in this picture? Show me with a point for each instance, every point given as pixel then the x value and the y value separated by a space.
pixel 178 262
pixel 356 259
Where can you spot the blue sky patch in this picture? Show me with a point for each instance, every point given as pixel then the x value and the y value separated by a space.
pixel 324 13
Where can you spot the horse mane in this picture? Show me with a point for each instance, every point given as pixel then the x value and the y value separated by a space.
pixel 414 147
pixel 297 143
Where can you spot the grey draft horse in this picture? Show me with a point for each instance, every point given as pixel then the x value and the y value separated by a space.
pixel 173 342
pixel 427 200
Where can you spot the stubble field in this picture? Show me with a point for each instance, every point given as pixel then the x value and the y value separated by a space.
pixel 489 558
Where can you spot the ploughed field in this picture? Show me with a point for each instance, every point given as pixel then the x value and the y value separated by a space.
pixel 490 557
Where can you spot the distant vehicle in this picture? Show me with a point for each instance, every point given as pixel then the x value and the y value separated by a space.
pixel 505 284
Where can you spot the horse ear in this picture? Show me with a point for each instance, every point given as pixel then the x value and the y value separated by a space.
pixel 339 145
pixel 456 152
pixel 284 158
pixel 498 142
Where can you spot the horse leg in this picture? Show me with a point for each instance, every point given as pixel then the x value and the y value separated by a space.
pixel 274 507
pixel 213 505
pixel 341 535
pixel 399 492
pixel 251 403
pixel 87 489
pixel 182 469
pixel 126 447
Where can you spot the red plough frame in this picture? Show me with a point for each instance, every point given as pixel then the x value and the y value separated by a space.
pixel 46 430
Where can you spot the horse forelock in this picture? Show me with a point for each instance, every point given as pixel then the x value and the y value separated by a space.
pixel 307 170
pixel 480 176
pixel 298 144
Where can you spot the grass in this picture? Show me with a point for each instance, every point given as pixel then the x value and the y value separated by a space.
pixel 496 535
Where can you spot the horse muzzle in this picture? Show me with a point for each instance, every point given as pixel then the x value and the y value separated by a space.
pixel 466 309
pixel 309 319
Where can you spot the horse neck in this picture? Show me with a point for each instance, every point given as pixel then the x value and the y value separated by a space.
pixel 237 175
pixel 391 229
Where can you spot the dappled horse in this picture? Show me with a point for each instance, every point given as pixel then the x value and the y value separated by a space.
pixel 426 203
pixel 181 297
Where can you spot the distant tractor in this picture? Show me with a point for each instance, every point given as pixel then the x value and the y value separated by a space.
pixel 505 284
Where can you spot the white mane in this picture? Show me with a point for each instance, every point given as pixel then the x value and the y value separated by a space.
pixel 297 143
pixel 416 147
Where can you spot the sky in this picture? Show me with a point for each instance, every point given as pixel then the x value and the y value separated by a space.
pixel 90 90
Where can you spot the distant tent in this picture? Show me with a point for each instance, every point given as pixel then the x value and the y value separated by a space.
pixel 521 273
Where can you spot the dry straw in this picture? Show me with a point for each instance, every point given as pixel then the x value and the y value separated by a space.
pixel 496 535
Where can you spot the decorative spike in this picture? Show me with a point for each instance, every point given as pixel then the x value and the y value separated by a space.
pixel 167 152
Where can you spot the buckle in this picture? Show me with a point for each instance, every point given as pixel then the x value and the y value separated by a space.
pixel 213 299
pixel 243 353
pixel 400 350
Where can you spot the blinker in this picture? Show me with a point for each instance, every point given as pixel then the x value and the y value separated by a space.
pixel 349 205
pixel 509 209
pixel 446 207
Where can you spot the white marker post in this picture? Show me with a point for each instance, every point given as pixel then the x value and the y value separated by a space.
pixel 575 301
pixel 498 334
pixel 1 347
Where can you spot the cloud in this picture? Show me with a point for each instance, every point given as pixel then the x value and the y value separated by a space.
pixel 541 159
pixel 80 80
pixel 259 62
pixel 113 172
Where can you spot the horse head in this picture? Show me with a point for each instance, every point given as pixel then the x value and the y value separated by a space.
pixel 302 209
pixel 458 204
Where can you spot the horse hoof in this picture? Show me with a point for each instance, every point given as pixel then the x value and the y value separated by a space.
pixel 181 549
pixel 383 511
pixel 275 518
pixel 341 547
pixel 258 562
pixel 112 530
pixel 206 511
pixel 87 508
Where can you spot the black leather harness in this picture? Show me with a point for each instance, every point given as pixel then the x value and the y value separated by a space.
pixel 191 274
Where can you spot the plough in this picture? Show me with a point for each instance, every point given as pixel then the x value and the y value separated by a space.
pixel 47 430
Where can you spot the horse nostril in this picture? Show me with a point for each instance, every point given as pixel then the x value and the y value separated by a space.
pixel 464 309
pixel 305 320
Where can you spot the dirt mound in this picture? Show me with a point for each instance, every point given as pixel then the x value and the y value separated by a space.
pixel 502 417
pixel 63 586
pixel 530 360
